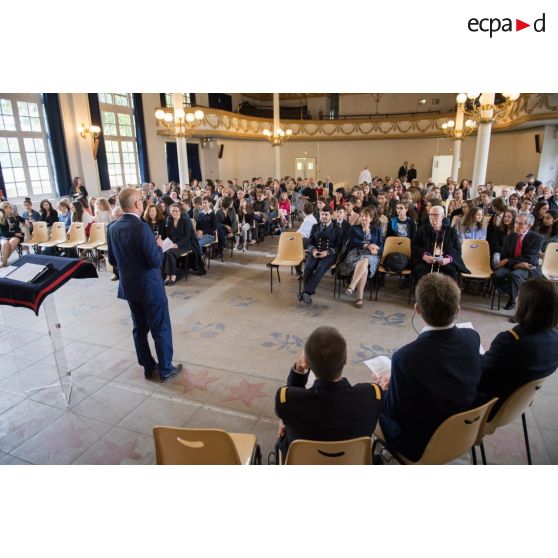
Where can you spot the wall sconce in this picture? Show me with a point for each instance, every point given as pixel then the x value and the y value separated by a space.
pixel 94 132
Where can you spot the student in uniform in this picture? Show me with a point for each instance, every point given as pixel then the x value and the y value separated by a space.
pixel 332 409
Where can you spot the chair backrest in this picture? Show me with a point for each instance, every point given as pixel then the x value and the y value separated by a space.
pixel 455 436
pixel 98 233
pixel 476 255
pixel 194 446
pixel 58 232
pixel 513 407
pixel 40 232
pixel 396 245
pixel 550 261
pixel 77 233
pixel 357 451
pixel 290 247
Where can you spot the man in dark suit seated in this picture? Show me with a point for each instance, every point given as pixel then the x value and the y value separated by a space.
pixel 519 258
pixel 323 247
pixel 343 226
pixel 331 409
pixel 436 247
pixel 433 377
pixel 139 258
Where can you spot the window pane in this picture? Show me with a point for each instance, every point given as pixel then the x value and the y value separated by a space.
pixel 22 109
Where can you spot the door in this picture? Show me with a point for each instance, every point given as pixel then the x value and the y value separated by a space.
pixel 441 168
pixel 305 167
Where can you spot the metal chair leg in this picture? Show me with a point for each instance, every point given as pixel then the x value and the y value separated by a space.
pixel 524 421
pixel 473 455
pixel 483 454
pixel 278 276
pixel 271 277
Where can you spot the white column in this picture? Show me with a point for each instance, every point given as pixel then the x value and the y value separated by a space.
pixel 548 164
pixel 184 176
pixel 483 141
pixel 276 128
pixel 456 158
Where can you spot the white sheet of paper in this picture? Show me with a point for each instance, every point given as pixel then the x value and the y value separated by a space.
pixel 380 366
pixel 5 271
pixel 26 272
pixel 469 325
pixel 167 244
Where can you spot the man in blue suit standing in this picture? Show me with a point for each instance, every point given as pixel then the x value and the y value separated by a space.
pixel 139 257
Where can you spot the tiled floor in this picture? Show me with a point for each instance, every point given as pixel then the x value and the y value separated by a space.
pixel 237 342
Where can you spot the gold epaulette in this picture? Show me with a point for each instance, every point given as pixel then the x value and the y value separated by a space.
pixel 513 334
pixel 378 392
pixel 283 395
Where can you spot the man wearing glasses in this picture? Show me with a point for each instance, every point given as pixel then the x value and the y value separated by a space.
pixel 436 248
pixel 139 258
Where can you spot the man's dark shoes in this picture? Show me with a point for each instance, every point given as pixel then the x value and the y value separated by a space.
pixel 299 296
pixel 175 370
pixel 510 305
pixel 149 373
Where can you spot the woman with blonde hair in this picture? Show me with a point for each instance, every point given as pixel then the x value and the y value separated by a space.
pixel 10 233
pixel 103 214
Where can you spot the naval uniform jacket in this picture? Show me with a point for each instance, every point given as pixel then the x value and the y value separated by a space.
pixel 328 411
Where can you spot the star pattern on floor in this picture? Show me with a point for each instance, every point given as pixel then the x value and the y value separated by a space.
pixel 116 453
pixel 196 380
pixel 246 392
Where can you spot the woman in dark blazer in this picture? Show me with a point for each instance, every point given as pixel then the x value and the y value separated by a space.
pixel 181 233
pixel 364 253
pixel 527 352
pixel 154 218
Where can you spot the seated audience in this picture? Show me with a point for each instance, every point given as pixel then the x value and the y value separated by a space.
pixel 332 409
pixel 154 218
pixel 247 224
pixel 323 247
pixel 527 352
pixel 180 231
pixel 541 207
pixel 402 225
pixel 435 376
pixel 436 247
pixel 549 228
pixel 285 209
pixel 10 231
pixel 227 221
pixel 103 213
pixel 64 213
pixel 48 213
pixel 472 225
pixel 495 234
pixel 309 221
pixel 519 258
pixel 29 214
pixel 79 215
pixel 364 253
pixel 206 223
pixel 340 221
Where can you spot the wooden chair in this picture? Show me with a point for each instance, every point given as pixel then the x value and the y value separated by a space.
pixel 453 438
pixel 97 237
pixel 204 446
pixel 39 235
pixel 357 451
pixel 76 237
pixel 512 408
pixel 57 236
pixel 290 252
pixel 550 262
pixel 476 257
pixel 394 245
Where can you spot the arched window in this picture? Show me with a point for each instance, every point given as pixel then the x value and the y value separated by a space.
pixel 24 147
pixel 119 131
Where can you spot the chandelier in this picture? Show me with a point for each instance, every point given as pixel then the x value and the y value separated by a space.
pixel 178 122
pixel 278 136
pixel 482 108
